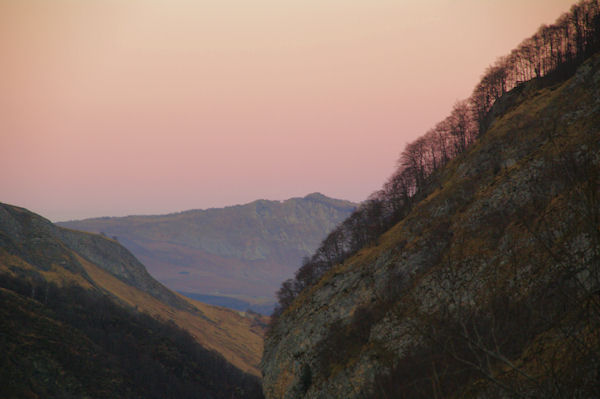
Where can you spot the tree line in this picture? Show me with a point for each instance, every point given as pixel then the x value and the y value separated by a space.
pixel 553 53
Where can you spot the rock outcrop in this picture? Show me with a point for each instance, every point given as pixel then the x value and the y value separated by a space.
pixel 485 288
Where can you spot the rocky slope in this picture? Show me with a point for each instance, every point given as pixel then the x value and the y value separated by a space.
pixel 488 288
pixel 241 252
pixel 36 252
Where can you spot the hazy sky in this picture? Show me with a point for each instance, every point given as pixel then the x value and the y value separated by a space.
pixel 130 106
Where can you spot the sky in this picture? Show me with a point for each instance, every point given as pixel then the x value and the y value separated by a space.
pixel 113 107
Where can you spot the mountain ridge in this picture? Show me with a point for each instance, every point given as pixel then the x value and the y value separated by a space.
pixel 312 196
pixel 241 251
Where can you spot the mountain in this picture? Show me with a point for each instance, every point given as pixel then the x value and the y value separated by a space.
pixel 487 286
pixel 235 256
pixel 81 317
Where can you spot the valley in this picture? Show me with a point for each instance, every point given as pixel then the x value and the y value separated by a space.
pixel 473 271
pixel 235 256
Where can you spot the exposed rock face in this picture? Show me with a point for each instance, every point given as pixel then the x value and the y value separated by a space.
pixel 241 251
pixel 509 220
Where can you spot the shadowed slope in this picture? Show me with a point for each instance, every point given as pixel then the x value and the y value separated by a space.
pixel 36 251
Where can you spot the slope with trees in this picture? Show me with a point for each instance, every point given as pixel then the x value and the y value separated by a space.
pixel 551 55
pixel 474 271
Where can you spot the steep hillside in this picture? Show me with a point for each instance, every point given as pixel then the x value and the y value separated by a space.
pixel 242 252
pixel 37 253
pixel 488 287
pixel 72 342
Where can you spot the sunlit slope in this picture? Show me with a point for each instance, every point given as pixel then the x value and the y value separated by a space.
pixel 488 288
pixel 236 335
pixel 33 249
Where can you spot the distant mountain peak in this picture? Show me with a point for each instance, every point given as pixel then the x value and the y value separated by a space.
pixel 243 251
pixel 316 195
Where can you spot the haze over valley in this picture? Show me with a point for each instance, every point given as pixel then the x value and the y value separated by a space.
pixel 236 256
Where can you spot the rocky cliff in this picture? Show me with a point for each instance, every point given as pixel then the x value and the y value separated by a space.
pixel 488 288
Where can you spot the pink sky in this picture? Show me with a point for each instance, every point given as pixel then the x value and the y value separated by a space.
pixel 112 107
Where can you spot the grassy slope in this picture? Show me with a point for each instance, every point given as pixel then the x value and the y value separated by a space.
pixel 75 342
pixel 236 335
pixel 34 342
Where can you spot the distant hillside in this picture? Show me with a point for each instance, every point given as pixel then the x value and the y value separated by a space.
pixel 234 256
pixel 81 317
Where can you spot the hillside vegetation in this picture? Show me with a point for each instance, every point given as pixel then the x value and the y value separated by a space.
pixel 470 274
pixel 81 316
pixel 550 56
pixel 71 342
pixel 241 252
